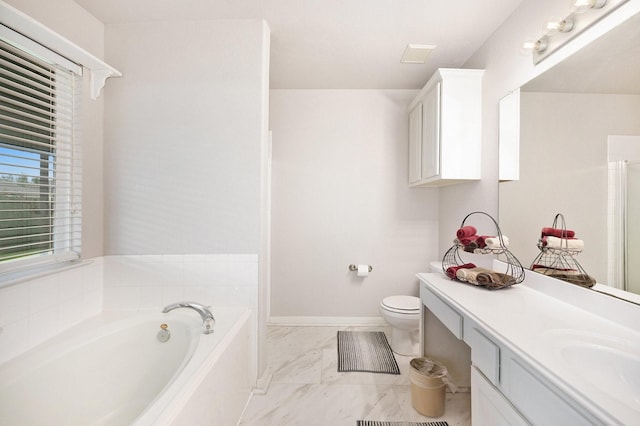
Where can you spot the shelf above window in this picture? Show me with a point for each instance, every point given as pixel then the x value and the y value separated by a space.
pixel 39 36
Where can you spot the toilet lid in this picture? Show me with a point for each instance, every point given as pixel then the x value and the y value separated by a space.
pixel 409 304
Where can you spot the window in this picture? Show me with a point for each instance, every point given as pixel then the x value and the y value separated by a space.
pixel 40 199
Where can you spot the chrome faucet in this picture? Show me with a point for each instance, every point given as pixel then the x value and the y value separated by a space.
pixel 208 321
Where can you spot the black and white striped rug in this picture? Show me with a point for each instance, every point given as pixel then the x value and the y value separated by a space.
pixel 365 351
pixel 374 423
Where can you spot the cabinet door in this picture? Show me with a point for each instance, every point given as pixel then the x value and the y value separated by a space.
pixel 415 144
pixel 431 133
pixel 488 406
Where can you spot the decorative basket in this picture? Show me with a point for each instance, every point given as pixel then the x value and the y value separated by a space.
pixel 452 261
pixel 560 262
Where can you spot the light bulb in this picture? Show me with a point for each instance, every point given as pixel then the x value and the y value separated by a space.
pixel 527 47
pixel 533 45
pixel 555 25
pixel 580 6
pixel 540 45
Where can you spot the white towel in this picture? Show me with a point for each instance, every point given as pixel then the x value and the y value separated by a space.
pixel 564 243
pixel 494 242
pixel 470 274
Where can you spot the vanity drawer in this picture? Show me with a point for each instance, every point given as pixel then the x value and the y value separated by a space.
pixel 446 314
pixel 485 355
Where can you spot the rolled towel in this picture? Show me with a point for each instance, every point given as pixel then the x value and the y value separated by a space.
pixel 551 271
pixel 465 241
pixel 494 242
pixel 470 275
pixel 581 280
pixel 469 244
pixel 481 240
pixel 560 233
pixel 562 243
pixel 494 280
pixel 451 271
pixel 463 274
pixel 466 231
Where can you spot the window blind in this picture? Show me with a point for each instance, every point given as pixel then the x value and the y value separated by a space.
pixel 40 174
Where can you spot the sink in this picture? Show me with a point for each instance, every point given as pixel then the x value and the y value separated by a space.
pixel 607 367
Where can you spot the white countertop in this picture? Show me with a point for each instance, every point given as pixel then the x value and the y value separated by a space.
pixel 534 324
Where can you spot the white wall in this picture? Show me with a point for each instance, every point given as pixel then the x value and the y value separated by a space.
pixel 183 132
pixel 563 169
pixel 68 19
pixel 152 282
pixel 340 196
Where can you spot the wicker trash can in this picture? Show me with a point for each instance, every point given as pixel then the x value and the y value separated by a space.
pixel 428 386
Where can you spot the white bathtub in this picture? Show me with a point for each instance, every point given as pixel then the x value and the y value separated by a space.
pixel 112 370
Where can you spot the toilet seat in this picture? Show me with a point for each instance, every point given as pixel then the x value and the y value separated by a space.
pixel 401 304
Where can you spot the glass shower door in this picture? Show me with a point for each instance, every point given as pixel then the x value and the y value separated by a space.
pixel 633 228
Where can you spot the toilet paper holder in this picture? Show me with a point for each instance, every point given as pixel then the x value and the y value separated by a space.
pixel 354 268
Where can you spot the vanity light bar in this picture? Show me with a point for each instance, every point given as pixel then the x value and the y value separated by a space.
pixel 559 31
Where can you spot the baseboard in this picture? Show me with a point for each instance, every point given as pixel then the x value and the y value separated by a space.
pixel 262 384
pixel 327 321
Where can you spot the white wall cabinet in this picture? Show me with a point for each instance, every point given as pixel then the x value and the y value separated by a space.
pixel 445 129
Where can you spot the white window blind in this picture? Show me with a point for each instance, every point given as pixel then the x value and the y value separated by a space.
pixel 40 174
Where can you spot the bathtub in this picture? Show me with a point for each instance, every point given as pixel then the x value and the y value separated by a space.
pixel 112 370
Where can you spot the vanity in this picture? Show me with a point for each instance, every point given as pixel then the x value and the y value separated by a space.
pixel 543 352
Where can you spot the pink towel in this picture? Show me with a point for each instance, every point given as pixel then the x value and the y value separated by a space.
pixel 560 233
pixel 466 241
pixel 466 231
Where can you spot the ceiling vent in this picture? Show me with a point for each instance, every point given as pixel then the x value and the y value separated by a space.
pixel 416 53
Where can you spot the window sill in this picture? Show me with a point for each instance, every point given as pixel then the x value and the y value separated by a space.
pixel 12 278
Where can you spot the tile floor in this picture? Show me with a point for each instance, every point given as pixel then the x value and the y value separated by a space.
pixel 307 389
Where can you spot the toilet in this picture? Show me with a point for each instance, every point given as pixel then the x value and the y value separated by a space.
pixel 402 313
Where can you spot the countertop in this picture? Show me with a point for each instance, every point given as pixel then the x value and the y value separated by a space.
pixel 534 323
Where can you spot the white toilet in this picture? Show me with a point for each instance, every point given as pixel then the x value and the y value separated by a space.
pixel 402 313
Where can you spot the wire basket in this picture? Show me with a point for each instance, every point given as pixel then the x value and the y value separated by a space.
pixel 560 262
pixel 513 274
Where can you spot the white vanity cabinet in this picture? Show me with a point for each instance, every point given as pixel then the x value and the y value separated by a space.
pixel 445 129
pixel 508 385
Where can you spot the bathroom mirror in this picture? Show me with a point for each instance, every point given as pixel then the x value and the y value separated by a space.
pixel 567 115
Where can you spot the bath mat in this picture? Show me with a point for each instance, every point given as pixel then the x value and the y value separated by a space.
pixel 374 423
pixel 365 351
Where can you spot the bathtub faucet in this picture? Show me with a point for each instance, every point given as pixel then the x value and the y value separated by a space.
pixel 208 321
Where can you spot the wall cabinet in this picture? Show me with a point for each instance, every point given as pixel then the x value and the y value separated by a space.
pixel 445 129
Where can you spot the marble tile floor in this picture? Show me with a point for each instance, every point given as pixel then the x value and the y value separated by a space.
pixel 307 390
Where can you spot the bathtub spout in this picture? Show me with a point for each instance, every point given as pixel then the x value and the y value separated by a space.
pixel 208 321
